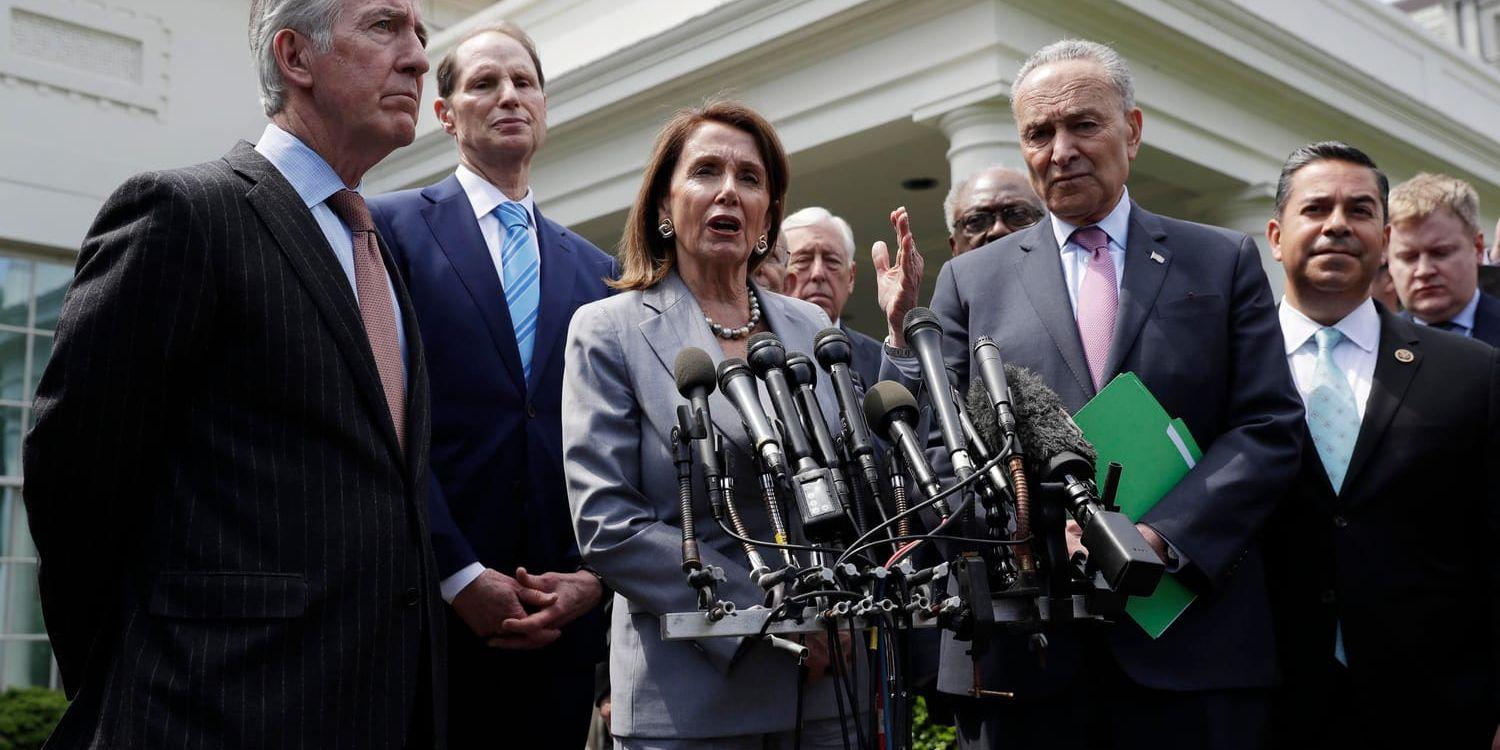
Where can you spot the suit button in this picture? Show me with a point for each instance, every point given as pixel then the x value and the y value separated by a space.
pixel 530 410
pixel 1340 521
pixel 1328 597
pixel 412 597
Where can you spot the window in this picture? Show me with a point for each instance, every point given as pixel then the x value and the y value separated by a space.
pixel 31 293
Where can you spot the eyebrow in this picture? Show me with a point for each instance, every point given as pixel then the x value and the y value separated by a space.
pixel 396 14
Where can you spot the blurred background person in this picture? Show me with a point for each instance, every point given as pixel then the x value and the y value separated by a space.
pixel 708 212
pixel 771 273
pixel 1383 288
pixel 989 205
pixel 1386 623
pixel 494 283
pixel 820 270
pixel 1435 254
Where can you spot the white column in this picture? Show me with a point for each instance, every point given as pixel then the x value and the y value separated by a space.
pixel 979 136
pixel 1249 210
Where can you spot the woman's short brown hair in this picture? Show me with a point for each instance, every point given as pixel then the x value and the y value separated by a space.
pixel 645 256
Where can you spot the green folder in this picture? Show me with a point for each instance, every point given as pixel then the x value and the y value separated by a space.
pixel 1127 424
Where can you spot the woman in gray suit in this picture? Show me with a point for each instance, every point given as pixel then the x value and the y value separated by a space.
pixel 709 207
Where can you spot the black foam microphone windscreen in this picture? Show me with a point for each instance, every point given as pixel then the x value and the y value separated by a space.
pixel 694 371
pixel 1043 424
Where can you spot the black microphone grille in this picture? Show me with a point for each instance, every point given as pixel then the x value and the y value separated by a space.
pixel 732 367
pixel 765 351
pixel 832 347
pixel 1043 424
pixel 886 400
pixel 919 317
pixel 694 370
pixel 799 369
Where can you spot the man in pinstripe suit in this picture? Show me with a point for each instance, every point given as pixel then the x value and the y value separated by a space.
pixel 226 480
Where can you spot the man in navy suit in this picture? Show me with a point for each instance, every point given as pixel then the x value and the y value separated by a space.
pixel 1100 287
pixel 1435 254
pixel 495 284
pixel 820 270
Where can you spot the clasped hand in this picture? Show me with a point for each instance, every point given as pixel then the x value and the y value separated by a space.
pixel 527 611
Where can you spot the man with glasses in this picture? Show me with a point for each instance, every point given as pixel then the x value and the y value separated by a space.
pixel 820 270
pixel 989 205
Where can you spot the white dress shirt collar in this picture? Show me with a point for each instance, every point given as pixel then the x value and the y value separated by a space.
pixel 1361 326
pixel 305 169
pixel 484 196
pixel 1116 224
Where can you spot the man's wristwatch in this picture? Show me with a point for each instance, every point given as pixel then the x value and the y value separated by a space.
pixel 891 350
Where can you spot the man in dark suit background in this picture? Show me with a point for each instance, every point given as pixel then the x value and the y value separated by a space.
pixel 1435 254
pixel 495 284
pixel 1101 287
pixel 227 476
pixel 1386 621
pixel 820 270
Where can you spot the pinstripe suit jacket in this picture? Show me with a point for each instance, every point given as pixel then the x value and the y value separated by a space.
pixel 234 549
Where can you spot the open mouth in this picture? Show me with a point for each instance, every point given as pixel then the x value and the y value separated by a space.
pixel 724 224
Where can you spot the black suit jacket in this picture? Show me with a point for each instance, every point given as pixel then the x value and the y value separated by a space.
pixel 1404 556
pixel 1489 280
pixel 234 549
pixel 867 354
pixel 1487 320
pixel 1197 324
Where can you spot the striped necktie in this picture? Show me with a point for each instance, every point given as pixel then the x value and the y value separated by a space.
pixel 522 266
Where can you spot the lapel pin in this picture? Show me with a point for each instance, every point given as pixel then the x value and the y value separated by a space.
pixel 1157 257
pixel 1405 355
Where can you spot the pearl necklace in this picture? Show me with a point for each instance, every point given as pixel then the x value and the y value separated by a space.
pixel 725 332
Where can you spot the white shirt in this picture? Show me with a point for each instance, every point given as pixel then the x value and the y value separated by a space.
pixel 484 197
pixel 1354 354
pixel 1075 258
pixel 1464 318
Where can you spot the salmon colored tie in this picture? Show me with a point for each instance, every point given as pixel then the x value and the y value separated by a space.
pixel 375 308
pixel 1098 301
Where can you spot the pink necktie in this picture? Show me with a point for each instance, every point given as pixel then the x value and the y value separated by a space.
pixel 1098 300
pixel 375 307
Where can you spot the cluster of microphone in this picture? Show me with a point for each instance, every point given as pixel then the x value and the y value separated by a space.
pixel 992 491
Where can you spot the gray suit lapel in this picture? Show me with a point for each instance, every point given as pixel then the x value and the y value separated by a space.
pixel 1042 278
pixel 676 324
pixel 1140 285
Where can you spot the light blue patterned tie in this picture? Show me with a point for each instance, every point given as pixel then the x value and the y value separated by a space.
pixel 522 265
pixel 1333 420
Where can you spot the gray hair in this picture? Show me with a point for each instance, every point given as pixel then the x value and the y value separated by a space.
pixel 1078 49
pixel 312 18
pixel 817 215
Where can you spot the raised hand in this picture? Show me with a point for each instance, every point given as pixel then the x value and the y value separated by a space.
pixel 896 286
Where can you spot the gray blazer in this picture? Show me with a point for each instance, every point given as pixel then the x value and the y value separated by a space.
pixel 620 406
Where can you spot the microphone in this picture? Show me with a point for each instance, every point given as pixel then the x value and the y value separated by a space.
pixel 800 367
pixel 992 374
pixel 834 352
pixel 925 337
pixel 813 488
pixel 892 410
pixel 694 372
pixel 1057 452
pixel 738 384
pixel 768 359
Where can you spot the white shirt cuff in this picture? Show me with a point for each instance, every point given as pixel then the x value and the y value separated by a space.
pixel 457 582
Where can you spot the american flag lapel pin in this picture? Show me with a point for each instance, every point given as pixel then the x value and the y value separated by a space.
pixel 1157 257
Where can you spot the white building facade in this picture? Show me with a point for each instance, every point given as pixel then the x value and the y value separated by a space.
pixel 869 97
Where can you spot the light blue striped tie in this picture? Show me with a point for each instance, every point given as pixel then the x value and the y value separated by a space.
pixel 522 266
pixel 1333 421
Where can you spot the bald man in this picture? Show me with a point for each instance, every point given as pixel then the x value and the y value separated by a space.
pixel 987 206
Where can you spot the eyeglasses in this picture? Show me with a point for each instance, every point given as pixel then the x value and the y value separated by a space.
pixel 1015 216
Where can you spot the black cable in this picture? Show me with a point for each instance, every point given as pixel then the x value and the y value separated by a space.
pixel 946 538
pixel 791 547
pixel 941 495
pixel 801 693
pixel 834 657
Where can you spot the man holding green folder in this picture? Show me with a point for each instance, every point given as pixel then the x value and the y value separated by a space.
pixel 1382 561
pixel 1098 288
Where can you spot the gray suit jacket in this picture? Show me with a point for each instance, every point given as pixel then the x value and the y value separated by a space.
pixel 622 486
pixel 1197 324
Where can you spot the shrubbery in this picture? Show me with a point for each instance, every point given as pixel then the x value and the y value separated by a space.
pixel 28 715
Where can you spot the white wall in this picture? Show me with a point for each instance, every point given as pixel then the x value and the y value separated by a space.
pixel 66 137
